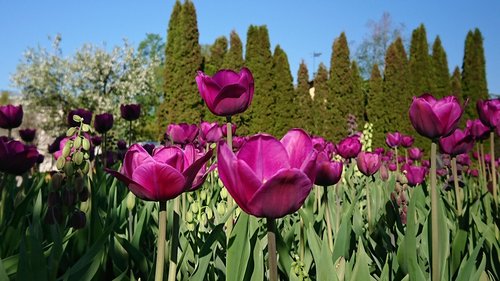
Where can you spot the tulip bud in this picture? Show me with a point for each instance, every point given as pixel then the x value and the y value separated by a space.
pixel 194 207
pixel 223 193
pixel 60 163
pixel 53 199
pixel 203 195
pixel 221 208
pixel 83 196
pixel 68 198
pixel 78 220
pixel 130 201
pixel 189 216
pixel 209 213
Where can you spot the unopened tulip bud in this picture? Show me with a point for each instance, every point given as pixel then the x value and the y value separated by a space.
pixel 83 196
pixel 189 216
pixel 78 220
pixel 130 201
pixel 209 213
pixel 221 208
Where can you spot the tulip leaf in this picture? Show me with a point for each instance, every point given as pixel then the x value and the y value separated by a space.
pixel 258 261
pixel 205 253
pixel 238 249
pixel 343 237
pixel 285 260
pixel 3 273
pixel 321 254
pixel 361 271
pixel 467 268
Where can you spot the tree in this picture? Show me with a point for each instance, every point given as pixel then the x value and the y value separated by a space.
pixel 377 110
pixel 303 99
pixel 357 96
pixel 372 50
pixel 421 73
pixel 283 93
pixel 4 97
pixel 456 84
pixel 234 57
pixel 152 47
pixel 322 120
pixel 441 73
pixel 216 56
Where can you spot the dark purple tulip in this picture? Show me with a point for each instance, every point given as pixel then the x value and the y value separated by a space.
pixel 85 114
pixel 475 155
pixel 385 158
pixel 414 174
pixel 238 142
pixel 182 133
pixel 474 173
pixel 327 172
pixel 401 159
pixel 149 147
pixel 487 159
pixel 442 172
pixel 27 135
pixel 426 163
pixel 457 143
pixel 224 130
pixel 368 163
pixel 103 122
pixel 415 153
pixel 407 141
pixel 226 93
pixel 54 146
pixel 435 118
pixel 269 178
pixel 379 150
pixel 11 116
pixel 78 220
pixel 330 148
pixel 349 147
pixel 318 142
pixel 477 129
pixel 130 112
pixel 16 158
pixel 393 139
pixel 463 159
pixel 211 132
pixel 392 167
pixel 389 153
pixel 121 144
pixel 489 112
pixel 96 140
pixel 40 159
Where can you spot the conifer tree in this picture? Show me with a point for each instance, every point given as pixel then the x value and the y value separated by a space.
pixel 285 106
pixel 358 92
pixel 456 84
pixel 473 84
pixel 441 72
pixel 217 53
pixel 322 120
pixel 234 57
pixel 303 99
pixel 421 74
pixel 377 109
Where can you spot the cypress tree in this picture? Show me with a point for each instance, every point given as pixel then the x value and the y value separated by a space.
pixel 473 84
pixel 285 108
pixel 358 94
pixel 259 60
pixel 420 63
pixel 377 110
pixel 441 72
pixel 234 57
pixel 217 53
pixel 456 84
pixel 322 120
pixel 303 99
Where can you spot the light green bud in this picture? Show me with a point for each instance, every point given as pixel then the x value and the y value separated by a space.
pixel 77 118
pixel 71 131
pixel 60 163
pixel 221 208
pixel 210 213
pixel 130 201
pixel 203 195
pixel 77 157
pixel 195 208
pixel 86 144
pixel 189 216
pixel 77 143
pixel 85 128
pixel 223 193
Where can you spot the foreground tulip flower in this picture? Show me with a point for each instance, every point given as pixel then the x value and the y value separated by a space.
pixel 477 129
pixel 414 174
pixel 226 93
pixel 269 178
pixel 211 132
pixel 27 135
pixel 16 158
pixel 85 114
pixel 368 163
pixel 407 141
pixel 457 143
pixel 327 172
pixel 130 112
pixel 393 139
pixel 182 133
pixel 415 153
pixel 11 116
pixel 349 147
pixel 103 122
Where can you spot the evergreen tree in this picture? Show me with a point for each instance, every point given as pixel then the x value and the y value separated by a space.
pixel 377 110
pixel 456 84
pixel 421 74
pixel 303 99
pixel 258 58
pixel 322 120
pixel 216 58
pixel 473 84
pixel 358 93
pixel 285 105
pixel 234 57
pixel 441 72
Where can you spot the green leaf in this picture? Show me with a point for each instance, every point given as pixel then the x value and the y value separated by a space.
pixel 361 270
pixel 3 273
pixel 258 259
pixel 238 252
pixel 322 256
pixel 205 254
pixel 467 268
pixel 343 237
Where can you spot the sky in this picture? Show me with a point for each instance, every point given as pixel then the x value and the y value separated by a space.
pixel 299 27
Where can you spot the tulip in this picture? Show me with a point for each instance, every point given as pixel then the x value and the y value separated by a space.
pixel 392 167
pixel 54 146
pixel 477 129
pixel 393 139
pixel 226 93
pixel 415 153
pixel 489 112
pixel 463 159
pixel 85 114
pixel 384 173
pixel 457 143
pixel 349 147
pixel 149 147
pixel 77 220
pixel 318 142
pixel 11 116
pixel 211 132
pixel 130 112
pixel 40 159
pixel 16 158
pixel 166 174
pixel 474 173
pixel 27 135
pixel 414 174
pixel 96 140
pixel 379 150
pixel 426 163
pixel 121 145
pixel 368 163
pixel 327 172
pixel 224 130
pixel 238 142
pixel 182 133
pixel 407 141
pixel 103 122
pixel 269 178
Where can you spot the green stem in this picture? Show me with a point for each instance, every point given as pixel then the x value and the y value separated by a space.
pixel 301 240
pixel 130 134
pixel 230 200
pixel 436 271
pixel 368 206
pixel 10 133
pixel 160 255
pixel 457 188
pixel 337 203
pixel 493 169
pixel 483 163
pixel 271 247
pixel 328 219
pixel 396 157
pixel 318 199
pixel 130 225
pixel 172 270
pixel 480 167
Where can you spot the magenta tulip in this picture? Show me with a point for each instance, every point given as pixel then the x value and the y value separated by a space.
pixel 182 133
pixel 226 93
pixel 318 142
pixel 392 167
pixel 103 122
pixel 327 172
pixel 349 147
pixel 11 116
pixel 85 114
pixel 210 132
pixel 121 145
pixel 415 153
pixel 414 174
pixel 379 150
pixel 393 139
pixel 368 163
pixel 130 112
pixel 165 175
pixel 16 158
pixel 224 130
pixel 238 142
pixel 27 135
pixel 435 118
pixel 407 141
pixel 463 159
pixel 384 172
pixel 457 143
pixel 489 112
pixel 477 129
pixel 269 178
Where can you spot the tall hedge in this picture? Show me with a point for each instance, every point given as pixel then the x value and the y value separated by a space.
pixel 305 109
pixel 420 65
pixel 285 111
pixel 377 109
pixel 234 57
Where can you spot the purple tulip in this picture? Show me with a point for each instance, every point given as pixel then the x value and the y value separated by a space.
pixel 457 143
pixel 149 147
pixel 226 93
pixel 121 145
pixel 474 173
pixel 426 163
pixel 393 139
pixel 103 122
pixel 182 133
pixel 16 158
pixel 238 142
pixel 54 146
pixel 349 147
pixel 78 220
pixel 96 140
pixel 27 135
pixel 442 172
pixel 379 150
pixel 210 132
pixel 414 174
pixel 40 159
pixel 477 129
pixel 130 112
pixel 407 141
pixel 11 116
pixel 224 130
pixel 489 112
pixel 463 159
pixel 415 153
pixel 85 114
pixel 327 172
pixel 318 142
pixel 435 118
pixel 165 175
pixel 392 167
pixel 384 172
pixel 368 163
pixel 269 178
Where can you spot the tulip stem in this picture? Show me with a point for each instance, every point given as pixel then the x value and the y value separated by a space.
pixel 483 163
pixel 230 202
pixel 160 255
pixel 301 240
pixel 368 206
pixel 406 155
pixel 328 219
pixel 318 199
pixel 271 248
pixel 396 157
pixel 457 188
pixel 10 133
pixel 172 270
pixel 436 271
pixel 337 202
pixel 480 168
pixel 103 151
pixel 493 169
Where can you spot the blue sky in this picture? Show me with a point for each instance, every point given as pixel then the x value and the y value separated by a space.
pixel 300 27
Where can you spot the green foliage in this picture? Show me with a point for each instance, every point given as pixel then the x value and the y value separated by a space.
pixel 322 120
pixel 377 110
pixel 283 94
pixel 234 57
pixel 4 97
pixel 456 84
pixel 441 73
pixel 214 60
pixel 303 100
pixel 420 64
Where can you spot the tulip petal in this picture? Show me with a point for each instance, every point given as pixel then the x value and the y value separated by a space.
pixel 282 194
pixel 448 111
pixel 135 156
pixel 423 118
pixel 170 155
pixel 193 169
pixel 264 155
pixel 298 145
pixel 136 188
pixel 232 98
pixel 225 77
pixel 160 180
